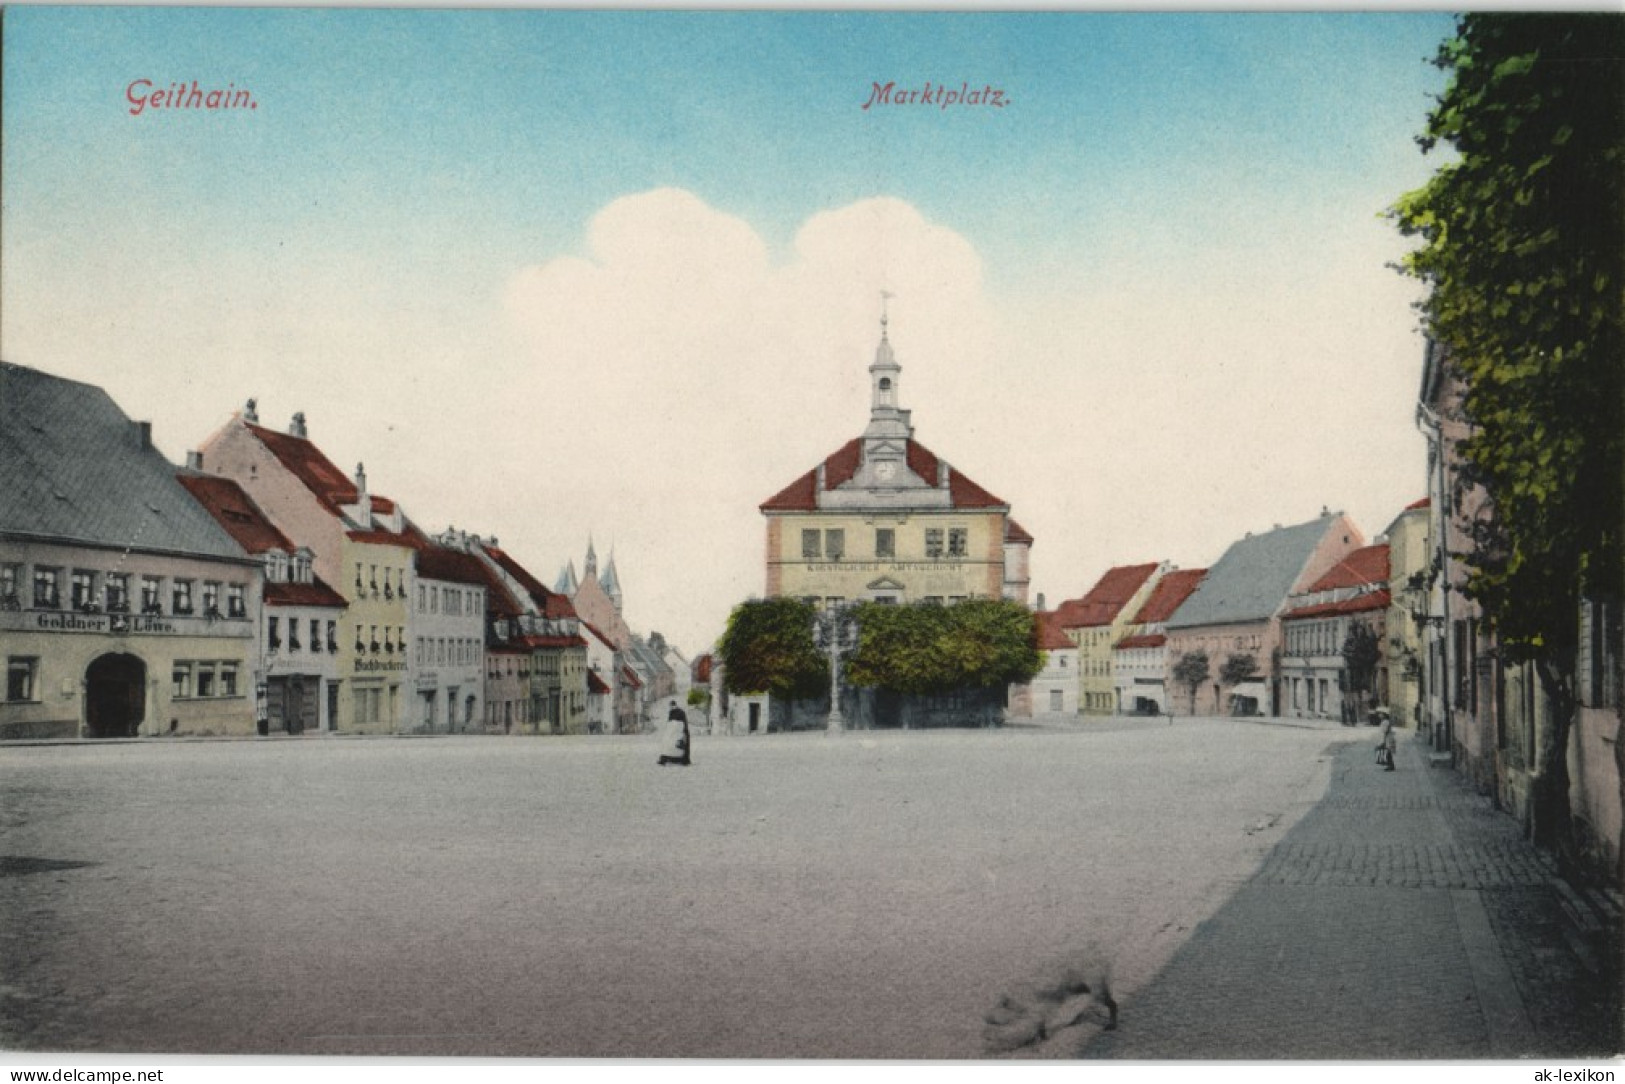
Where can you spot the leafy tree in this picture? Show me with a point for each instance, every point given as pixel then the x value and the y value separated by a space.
pixel 699 697
pixel 1523 251
pixel 1361 653
pixel 928 649
pixel 1191 671
pixel 768 647
pixel 1238 669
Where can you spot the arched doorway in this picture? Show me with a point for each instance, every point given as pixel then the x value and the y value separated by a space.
pixel 115 696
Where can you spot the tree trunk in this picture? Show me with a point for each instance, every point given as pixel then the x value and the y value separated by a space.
pixel 1551 816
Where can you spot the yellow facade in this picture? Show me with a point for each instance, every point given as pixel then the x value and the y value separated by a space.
pixel 1409 557
pixel 373 657
pixel 907 556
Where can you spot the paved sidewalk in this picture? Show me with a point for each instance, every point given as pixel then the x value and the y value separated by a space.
pixel 1403 917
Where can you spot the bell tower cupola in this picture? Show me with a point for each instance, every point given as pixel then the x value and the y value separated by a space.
pixel 886 419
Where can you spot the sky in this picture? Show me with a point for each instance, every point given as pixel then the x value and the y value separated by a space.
pixel 558 276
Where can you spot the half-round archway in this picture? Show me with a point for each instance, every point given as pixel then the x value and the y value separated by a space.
pixel 115 696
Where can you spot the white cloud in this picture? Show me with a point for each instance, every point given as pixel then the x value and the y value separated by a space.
pixel 695 376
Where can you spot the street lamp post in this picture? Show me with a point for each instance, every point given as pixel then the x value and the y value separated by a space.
pixel 834 631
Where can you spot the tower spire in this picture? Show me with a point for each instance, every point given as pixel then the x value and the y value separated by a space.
pixel 886 419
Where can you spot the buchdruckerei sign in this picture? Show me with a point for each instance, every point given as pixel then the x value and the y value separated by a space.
pixel 125 624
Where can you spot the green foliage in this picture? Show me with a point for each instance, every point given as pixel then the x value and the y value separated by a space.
pixel 1238 668
pixel 768 647
pixel 699 697
pixel 1191 671
pixel 1361 653
pixel 1523 249
pixel 928 649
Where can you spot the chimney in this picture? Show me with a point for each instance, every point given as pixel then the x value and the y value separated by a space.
pixel 297 428
pixel 942 474
pixel 250 413
pixel 143 435
pixel 194 460
pixel 1040 602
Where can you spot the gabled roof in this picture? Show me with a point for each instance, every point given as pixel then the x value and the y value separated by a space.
pixel 235 511
pixel 1015 532
pixel 77 469
pixel 1253 578
pixel 1128 643
pixel 438 562
pixel 1169 594
pixel 548 603
pixel 241 518
pixel 1106 598
pixel 1050 636
pixel 315 593
pixel 1365 566
pixel 1361 603
pixel 842 465
pixel 314 470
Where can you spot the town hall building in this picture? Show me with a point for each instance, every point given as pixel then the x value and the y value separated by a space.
pixel 884 519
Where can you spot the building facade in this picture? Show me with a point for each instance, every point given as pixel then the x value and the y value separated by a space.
pixel 884 519
pixel 1235 614
pixel 1140 659
pixel 1097 622
pixel 125 609
pixel 1334 658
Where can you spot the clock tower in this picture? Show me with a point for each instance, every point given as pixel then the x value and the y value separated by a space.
pixel 885 441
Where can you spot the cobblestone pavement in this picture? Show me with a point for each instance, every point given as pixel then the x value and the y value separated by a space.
pixel 1402 917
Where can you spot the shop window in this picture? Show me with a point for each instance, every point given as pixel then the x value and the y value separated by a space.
pixel 205 679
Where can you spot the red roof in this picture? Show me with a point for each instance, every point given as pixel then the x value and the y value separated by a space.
pixel 595 684
pixel 550 641
pixel 1015 532
pixel 1050 636
pixel 1106 598
pixel 702 669
pixel 307 463
pixel 1371 600
pixel 236 511
pixel 630 677
pixel 1166 597
pixel 303 594
pixel 1423 503
pixel 548 603
pixel 842 465
pixel 1156 639
pixel 1361 568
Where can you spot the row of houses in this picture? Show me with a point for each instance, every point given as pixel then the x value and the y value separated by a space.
pixel 261 589
pixel 1293 621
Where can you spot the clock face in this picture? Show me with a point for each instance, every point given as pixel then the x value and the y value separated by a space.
pixel 885 471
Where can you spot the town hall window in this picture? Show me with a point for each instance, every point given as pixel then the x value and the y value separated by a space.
pixel 834 543
pixel 885 542
pixel 933 541
pixel 958 541
pixel 810 540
